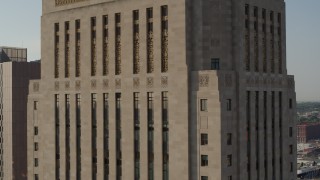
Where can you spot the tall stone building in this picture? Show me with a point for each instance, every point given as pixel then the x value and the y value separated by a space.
pixel 183 89
pixel 15 73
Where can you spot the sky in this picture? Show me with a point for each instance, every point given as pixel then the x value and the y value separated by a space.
pixel 20 27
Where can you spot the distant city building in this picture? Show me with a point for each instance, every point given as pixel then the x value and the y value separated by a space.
pixel 15 73
pixel 307 132
pixel 164 90
pixel 13 54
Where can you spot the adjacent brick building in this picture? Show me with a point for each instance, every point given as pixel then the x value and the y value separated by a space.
pixel 307 132
pixel 15 73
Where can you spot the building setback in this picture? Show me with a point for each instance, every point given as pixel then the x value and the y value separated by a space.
pixel 140 89
pixel 15 73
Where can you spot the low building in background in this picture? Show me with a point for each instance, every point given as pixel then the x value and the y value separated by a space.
pixel 14 54
pixel 15 73
pixel 307 132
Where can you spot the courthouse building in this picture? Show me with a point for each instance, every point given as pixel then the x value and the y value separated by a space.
pixel 166 89
pixel 15 73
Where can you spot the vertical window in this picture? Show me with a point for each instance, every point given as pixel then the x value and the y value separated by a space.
pixel 150 66
pixel 56 50
pixel 204 160
pixel 36 163
pixel 36 177
pixel 35 105
pixel 36 148
pixel 165 135
pixel 94 135
pixel 290 149
pixel 77 41
pixel 93 47
pixel 247 9
pixel 67 50
pixel 229 160
pixel 290 103
pixel 203 105
pixel 164 39
pixel 57 143
pixel 204 139
pixel 256 40
pixel 247 39
pixel 150 136
pixel 215 64
pixel 229 139
pixel 229 104
pixel 136 109
pixel 255 13
pixel 67 135
pixel 106 135
pixel 105 63
pixel 229 177
pixel 78 135
pixel 290 132
pixel 118 44
pixel 136 42
pixel 291 167
pixel 118 137
pixel 248 114
pixel 36 130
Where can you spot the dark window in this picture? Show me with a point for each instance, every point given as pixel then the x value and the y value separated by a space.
pixel 36 147
pixel 204 177
pixel 36 163
pixel 229 139
pixel 229 160
pixel 215 64
pixel 229 177
pixel 264 13
pixel 247 9
pixel 291 167
pixel 36 177
pixel 291 149
pixel 204 160
pixel 35 105
pixel 247 24
pixel 229 105
pixel 290 103
pixel 271 16
pixel 204 139
pixel 35 130
pixel 255 11
pixel 203 105
pixel 290 131
pixel 279 17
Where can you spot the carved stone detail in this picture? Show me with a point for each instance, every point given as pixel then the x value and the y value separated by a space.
pixel 149 82
pixel 257 81
pixel 93 84
pixel 78 85
pixel 164 81
pixel 204 80
pixel 66 2
pixel 56 86
pixel 118 83
pixel 36 87
pixel 67 85
pixel 136 82
pixel 105 83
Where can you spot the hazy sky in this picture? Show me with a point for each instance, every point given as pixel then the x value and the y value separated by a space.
pixel 20 26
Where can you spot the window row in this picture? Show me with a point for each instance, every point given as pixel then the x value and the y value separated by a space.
pixel 118 44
